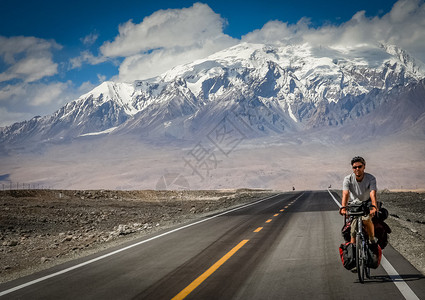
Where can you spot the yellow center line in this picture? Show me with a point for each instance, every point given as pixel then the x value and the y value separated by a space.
pixel 258 229
pixel 282 210
pixel 286 206
pixel 186 291
pixel 275 215
pixel 269 220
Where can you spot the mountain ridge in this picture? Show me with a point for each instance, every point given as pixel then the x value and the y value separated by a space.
pixel 273 89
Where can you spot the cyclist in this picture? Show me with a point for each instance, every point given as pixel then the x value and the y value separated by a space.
pixel 360 186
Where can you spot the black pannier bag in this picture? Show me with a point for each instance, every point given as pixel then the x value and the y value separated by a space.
pixel 347 253
pixel 374 256
pixel 346 230
pixel 381 228
pixel 381 232
pixel 382 214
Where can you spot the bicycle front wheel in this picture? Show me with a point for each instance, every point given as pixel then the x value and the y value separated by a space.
pixel 360 262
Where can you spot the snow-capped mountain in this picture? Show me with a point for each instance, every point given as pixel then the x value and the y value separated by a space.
pixel 269 89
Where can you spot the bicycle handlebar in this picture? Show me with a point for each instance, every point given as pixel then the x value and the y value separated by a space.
pixel 362 213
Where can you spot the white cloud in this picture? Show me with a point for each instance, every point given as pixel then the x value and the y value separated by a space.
pixel 85 87
pixel 9 117
pixel 165 39
pixel 90 39
pixel 30 69
pixel 165 29
pixel 27 58
pixel 86 57
pixel 48 94
pixel 33 94
pixel 101 78
pixel 403 26
pixel 23 93
pixel 279 32
pixel 22 101
pixel 143 66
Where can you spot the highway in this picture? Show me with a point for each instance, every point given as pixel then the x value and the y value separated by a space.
pixel 282 247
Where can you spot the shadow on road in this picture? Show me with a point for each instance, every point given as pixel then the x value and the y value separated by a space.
pixel 387 278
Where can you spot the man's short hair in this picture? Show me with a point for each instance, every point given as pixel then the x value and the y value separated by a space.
pixel 358 159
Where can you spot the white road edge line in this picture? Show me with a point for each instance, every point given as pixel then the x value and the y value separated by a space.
pixel 402 286
pixel 126 248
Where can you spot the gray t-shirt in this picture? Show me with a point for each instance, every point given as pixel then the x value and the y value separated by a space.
pixel 359 190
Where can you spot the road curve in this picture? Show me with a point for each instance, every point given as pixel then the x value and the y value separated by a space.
pixel 284 246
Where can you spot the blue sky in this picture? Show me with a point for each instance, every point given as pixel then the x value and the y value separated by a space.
pixel 51 52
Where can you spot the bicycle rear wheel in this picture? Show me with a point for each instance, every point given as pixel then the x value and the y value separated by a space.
pixel 368 273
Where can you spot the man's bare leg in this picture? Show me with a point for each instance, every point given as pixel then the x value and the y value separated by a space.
pixel 370 229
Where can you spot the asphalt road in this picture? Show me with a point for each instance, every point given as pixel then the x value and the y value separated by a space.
pixel 283 247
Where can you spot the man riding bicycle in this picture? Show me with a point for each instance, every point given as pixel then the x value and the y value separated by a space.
pixel 360 186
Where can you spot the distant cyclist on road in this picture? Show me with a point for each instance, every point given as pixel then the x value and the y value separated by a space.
pixel 360 186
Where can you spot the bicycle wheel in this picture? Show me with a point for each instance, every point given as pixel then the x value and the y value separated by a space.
pixel 360 263
pixel 366 259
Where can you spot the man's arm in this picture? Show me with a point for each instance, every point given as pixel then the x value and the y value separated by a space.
pixel 345 196
pixel 374 209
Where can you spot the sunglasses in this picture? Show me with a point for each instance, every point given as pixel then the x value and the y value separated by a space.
pixel 357 167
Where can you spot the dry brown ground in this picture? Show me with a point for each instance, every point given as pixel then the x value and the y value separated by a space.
pixel 407 221
pixel 39 229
